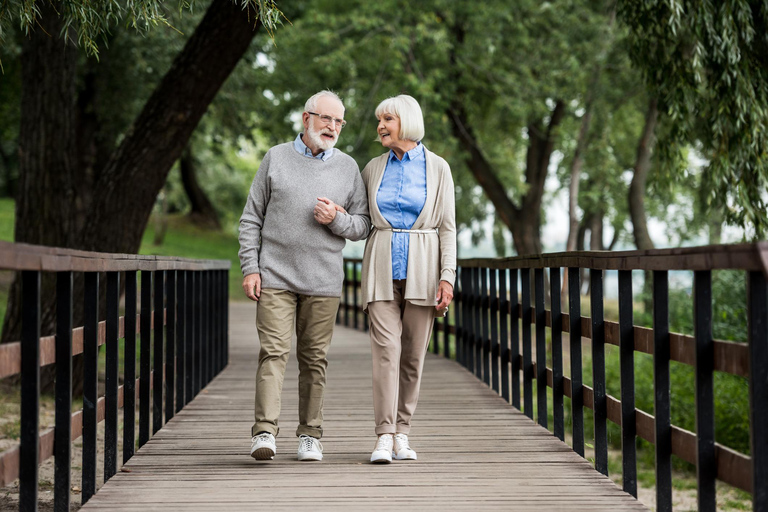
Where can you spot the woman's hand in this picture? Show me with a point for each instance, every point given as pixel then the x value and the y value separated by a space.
pixel 444 296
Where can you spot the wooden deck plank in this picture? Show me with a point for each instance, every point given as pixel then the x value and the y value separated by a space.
pixel 475 451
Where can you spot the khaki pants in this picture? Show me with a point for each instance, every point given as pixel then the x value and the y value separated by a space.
pixel 314 317
pixel 400 334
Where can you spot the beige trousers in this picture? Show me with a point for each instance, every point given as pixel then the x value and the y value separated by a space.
pixel 314 317
pixel 400 333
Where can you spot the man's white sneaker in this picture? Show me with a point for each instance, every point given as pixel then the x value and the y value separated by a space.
pixel 382 453
pixel 263 446
pixel 402 449
pixel 310 448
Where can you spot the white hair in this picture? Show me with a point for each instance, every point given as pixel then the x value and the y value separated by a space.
pixel 408 110
pixel 311 104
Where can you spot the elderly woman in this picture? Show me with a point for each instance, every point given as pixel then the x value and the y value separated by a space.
pixel 409 266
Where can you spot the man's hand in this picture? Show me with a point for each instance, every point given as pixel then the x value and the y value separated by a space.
pixel 325 210
pixel 444 296
pixel 252 286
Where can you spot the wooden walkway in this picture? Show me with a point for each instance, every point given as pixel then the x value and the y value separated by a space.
pixel 475 451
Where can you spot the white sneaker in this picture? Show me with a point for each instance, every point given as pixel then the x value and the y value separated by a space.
pixel 382 453
pixel 310 448
pixel 403 450
pixel 263 446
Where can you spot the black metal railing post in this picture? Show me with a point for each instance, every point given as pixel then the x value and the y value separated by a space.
pixel 170 343
pixel 157 363
pixel 525 289
pixel 145 356
pixel 598 370
pixel 514 340
pixel 558 414
pixel 504 334
pixel 181 336
pixel 541 348
pixel 189 341
pixel 627 371
pixel 477 336
pixel 757 328
pixel 110 377
pixel 63 430
pixel 706 465
pixel 577 387
pixel 30 390
pixel 90 382
pixel 494 312
pixel 129 367
pixel 465 319
pixel 661 386
pixel 485 338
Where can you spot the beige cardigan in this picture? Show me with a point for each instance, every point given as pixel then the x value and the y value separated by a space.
pixel 431 256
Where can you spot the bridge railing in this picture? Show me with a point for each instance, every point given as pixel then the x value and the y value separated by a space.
pixel 498 323
pixel 180 313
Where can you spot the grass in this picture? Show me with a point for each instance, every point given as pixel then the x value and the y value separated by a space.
pixel 189 241
pixel 6 219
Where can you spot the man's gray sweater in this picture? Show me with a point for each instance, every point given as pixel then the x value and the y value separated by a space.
pixel 279 237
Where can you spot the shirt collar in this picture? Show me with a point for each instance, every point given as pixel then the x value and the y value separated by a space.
pixel 302 149
pixel 411 155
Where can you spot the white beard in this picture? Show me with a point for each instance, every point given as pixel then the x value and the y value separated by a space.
pixel 317 140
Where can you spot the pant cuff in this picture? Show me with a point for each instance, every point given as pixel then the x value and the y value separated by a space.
pixel 304 430
pixel 402 428
pixel 264 427
pixel 385 429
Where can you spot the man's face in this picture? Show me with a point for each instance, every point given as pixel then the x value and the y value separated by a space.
pixel 322 134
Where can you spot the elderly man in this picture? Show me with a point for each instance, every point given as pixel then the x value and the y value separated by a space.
pixel 306 198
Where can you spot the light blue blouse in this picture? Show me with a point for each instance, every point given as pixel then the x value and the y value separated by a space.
pixel 400 199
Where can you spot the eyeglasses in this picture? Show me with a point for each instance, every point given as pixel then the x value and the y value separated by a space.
pixel 329 119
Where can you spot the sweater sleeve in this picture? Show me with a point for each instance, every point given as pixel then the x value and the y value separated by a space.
pixel 356 223
pixel 253 219
pixel 447 229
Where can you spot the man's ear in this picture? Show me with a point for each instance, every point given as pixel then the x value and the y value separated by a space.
pixel 305 119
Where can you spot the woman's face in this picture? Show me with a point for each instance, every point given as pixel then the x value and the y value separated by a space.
pixel 389 130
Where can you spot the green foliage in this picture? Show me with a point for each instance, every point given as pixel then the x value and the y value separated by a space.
pixel 87 22
pixel 183 238
pixel 7 219
pixel 707 64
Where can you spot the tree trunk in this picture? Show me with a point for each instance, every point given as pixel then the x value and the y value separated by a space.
pixel 637 187
pixel 523 221
pixel 202 213
pixel 162 130
pixel 125 190
pixel 46 195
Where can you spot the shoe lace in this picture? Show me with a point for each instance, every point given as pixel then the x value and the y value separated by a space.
pixel 402 442
pixel 264 436
pixel 307 443
pixel 384 443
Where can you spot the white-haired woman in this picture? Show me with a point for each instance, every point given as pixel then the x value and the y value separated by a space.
pixel 409 266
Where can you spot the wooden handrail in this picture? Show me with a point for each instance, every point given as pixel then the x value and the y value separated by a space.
pixel 15 256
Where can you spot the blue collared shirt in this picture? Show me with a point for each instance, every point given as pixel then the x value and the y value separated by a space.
pixel 302 148
pixel 400 199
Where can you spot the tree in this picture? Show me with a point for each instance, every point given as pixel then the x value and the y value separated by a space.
pixel 119 195
pixel 495 80
pixel 707 63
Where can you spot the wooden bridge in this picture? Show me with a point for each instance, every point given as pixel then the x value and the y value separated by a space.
pixel 475 451
pixel 491 360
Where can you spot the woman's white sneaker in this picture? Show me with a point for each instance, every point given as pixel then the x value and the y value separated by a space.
pixel 263 446
pixel 403 450
pixel 310 448
pixel 382 453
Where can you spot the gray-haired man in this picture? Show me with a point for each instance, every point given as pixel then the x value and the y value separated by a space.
pixel 306 198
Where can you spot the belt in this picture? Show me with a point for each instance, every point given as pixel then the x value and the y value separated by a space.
pixel 420 231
